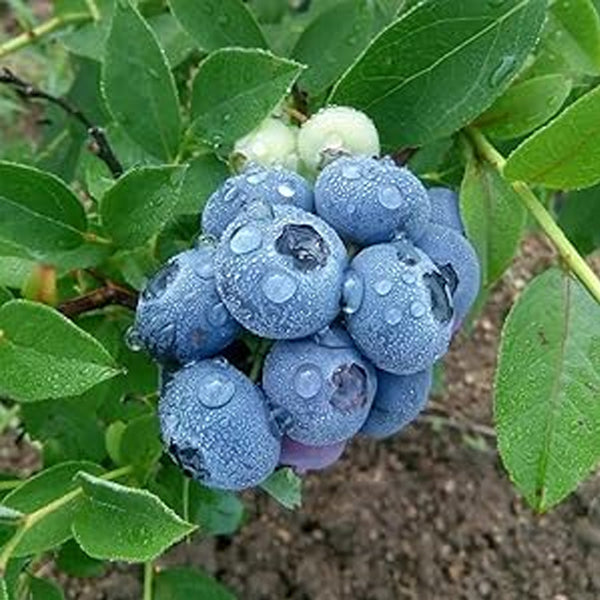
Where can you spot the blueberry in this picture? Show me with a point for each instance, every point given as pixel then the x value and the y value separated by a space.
pixel 398 306
pixel 305 458
pixel 444 208
pixel 457 260
pixel 399 400
pixel 368 201
pixel 180 315
pixel 326 391
pixel 280 272
pixel 336 130
pixel 273 186
pixel 215 425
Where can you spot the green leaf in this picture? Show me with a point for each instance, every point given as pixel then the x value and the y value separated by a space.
pixel 525 106
pixel 546 390
pixel 3 590
pixel 176 43
pixel 439 66
pixel 493 216
pixel 332 42
pixel 570 41
pixel 203 177
pixel 579 217
pixel 140 445
pixel 138 84
pixel 73 561
pixel 566 153
pixel 145 526
pixel 38 211
pixel 184 584
pixel 49 486
pixel 42 589
pixel 214 24
pixel 286 487
pixel 235 89
pixel 14 271
pixel 43 355
pixel 141 203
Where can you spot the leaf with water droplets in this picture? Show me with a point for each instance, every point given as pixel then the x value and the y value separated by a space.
pixel 286 487
pixel 493 216
pixel 525 106
pixel 332 41
pixel 214 24
pixel 139 86
pixel 183 583
pixel 235 89
pixel 566 153
pixel 44 355
pixel 141 203
pixel 117 522
pixel 439 65
pixel 547 388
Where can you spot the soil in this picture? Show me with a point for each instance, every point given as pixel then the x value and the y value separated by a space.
pixel 428 515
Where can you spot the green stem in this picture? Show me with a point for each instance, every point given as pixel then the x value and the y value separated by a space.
pixel 35 517
pixel 574 261
pixel 29 37
pixel 263 348
pixel 148 578
pixel 93 8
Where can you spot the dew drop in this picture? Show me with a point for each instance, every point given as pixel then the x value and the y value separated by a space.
pixel 502 71
pixel 350 208
pixel 286 191
pixel 383 287
pixel 215 391
pixel 393 316
pixel 218 315
pixel 352 292
pixel 417 309
pixel 279 287
pixel 133 339
pixel 245 240
pixel 390 197
pixel 408 277
pixel 351 172
pixel 161 281
pixel 256 177
pixel 308 381
pixel 231 194
pixel 203 264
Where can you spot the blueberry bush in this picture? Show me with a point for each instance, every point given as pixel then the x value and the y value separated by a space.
pixel 234 235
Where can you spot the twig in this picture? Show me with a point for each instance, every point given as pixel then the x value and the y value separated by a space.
pixel 402 156
pixel 462 426
pixel 100 145
pixel 107 295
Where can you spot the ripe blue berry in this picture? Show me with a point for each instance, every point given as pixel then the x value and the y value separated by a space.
pixel 326 390
pixel 399 400
pixel 280 272
pixel 368 201
pixel 398 307
pixel 273 186
pixel 444 208
pixel 305 458
pixel 457 260
pixel 215 425
pixel 180 315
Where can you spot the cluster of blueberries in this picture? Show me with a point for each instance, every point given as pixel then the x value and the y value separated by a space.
pixel 360 281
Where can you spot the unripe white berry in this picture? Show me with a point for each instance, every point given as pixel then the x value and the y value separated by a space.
pixel 336 129
pixel 272 143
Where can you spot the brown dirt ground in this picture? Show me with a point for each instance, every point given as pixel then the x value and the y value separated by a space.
pixel 427 515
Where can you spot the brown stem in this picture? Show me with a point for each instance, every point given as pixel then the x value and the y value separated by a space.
pixel 100 145
pixel 110 294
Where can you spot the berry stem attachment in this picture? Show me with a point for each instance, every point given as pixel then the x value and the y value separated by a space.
pixel 574 261
pixel 259 358
pixel 33 35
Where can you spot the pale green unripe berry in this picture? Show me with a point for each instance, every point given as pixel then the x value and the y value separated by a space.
pixel 336 130
pixel 272 143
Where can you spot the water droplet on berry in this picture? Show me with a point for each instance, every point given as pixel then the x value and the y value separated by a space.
pixel 231 194
pixel 417 309
pixel 350 208
pixel 218 315
pixel 161 281
pixel 256 177
pixel 351 172
pixel 215 390
pixel 352 292
pixel 390 197
pixel 203 264
pixel 286 191
pixel 332 338
pixel 205 240
pixel 279 287
pixel 408 277
pixel 133 339
pixel 308 381
pixel 383 287
pixel 245 240
pixel 393 316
